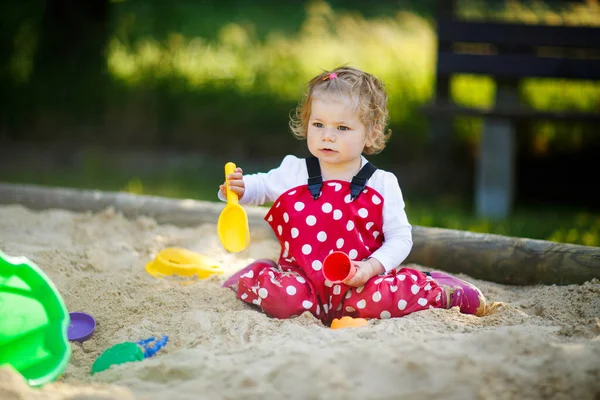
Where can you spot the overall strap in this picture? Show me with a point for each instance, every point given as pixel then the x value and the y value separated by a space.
pixel 315 180
pixel 360 180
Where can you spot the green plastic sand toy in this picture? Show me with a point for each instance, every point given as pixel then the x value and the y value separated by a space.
pixel 33 322
pixel 127 352
pixel 118 354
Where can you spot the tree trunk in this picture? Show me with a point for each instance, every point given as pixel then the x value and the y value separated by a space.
pixel 69 68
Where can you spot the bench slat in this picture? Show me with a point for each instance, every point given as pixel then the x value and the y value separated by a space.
pixel 518 66
pixel 450 30
pixel 450 109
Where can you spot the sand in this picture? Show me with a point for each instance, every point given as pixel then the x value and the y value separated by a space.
pixel 542 342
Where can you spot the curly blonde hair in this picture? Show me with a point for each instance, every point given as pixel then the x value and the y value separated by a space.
pixel 366 90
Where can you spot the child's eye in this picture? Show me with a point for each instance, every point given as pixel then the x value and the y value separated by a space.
pixel 318 125
pixel 343 128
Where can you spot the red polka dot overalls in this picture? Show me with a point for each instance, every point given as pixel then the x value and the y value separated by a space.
pixel 309 226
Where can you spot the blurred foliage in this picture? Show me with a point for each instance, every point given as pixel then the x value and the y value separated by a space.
pixel 185 74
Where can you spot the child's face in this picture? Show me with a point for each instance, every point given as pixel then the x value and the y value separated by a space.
pixel 336 135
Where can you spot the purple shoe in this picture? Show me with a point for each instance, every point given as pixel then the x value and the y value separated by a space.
pixel 460 293
pixel 232 281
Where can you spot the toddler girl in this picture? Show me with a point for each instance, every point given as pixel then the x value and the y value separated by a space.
pixel 336 200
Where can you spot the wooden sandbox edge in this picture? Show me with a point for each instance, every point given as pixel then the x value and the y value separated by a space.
pixel 496 258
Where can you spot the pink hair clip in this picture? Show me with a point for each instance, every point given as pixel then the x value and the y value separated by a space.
pixel 331 76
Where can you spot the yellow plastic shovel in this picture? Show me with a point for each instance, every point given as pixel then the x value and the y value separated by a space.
pixel 232 226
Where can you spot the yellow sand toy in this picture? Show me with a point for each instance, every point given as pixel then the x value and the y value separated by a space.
pixel 232 225
pixel 182 262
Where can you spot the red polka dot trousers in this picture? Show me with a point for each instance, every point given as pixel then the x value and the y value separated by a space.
pixel 288 293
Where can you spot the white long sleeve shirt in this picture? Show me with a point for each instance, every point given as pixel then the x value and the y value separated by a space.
pixel 266 187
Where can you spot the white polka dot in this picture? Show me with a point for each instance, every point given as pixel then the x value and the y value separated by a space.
pixel 438 297
pixel 339 243
pixel 299 206
pixel 307 304
pixel 352 254
pixel 339 307
pixel 393 289
pixel 350 309
pixel 286 217
pixel 244 296
pixel 311 220
pixel 326 208
pixel 279 229
pixel 376 297
pixel 322 236
pixel 293 192
pixel 385 315
pixel 350 225
pixel 317 265
pixel 348 294
pixel 427 287
pixel 271 273
pixel 337 186
pixel 295 233
pixel 414 277
pixel 263 293
pixel 414 289
pixel 361 304
pixel 378 281
pixel 325 308
pixel 257 301
pixel 337 289
pixel 369 225
pixel 306 249
pixel 360 289
pixel 337 214
pixel 318 310
pixel 328 283
pixel 422 302
pixel 366 191
pixel 402 304
pixel 286 245
pixel 390 279
pixel 270 219
pixel 249 274
pixel 300 279
pixel 363 213
pixel 401 277
pixel 360 237
pixel 376 199
pixel 291 290
pixel 375 234
pixel 278 204
pixel 347 198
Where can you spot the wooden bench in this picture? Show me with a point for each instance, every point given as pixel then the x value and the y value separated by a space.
pixel 508 53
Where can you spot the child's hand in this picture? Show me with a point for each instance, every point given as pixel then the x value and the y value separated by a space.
pixel 236 183
pixel 365 270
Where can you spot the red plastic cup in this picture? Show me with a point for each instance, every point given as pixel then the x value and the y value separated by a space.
pixel 337 267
